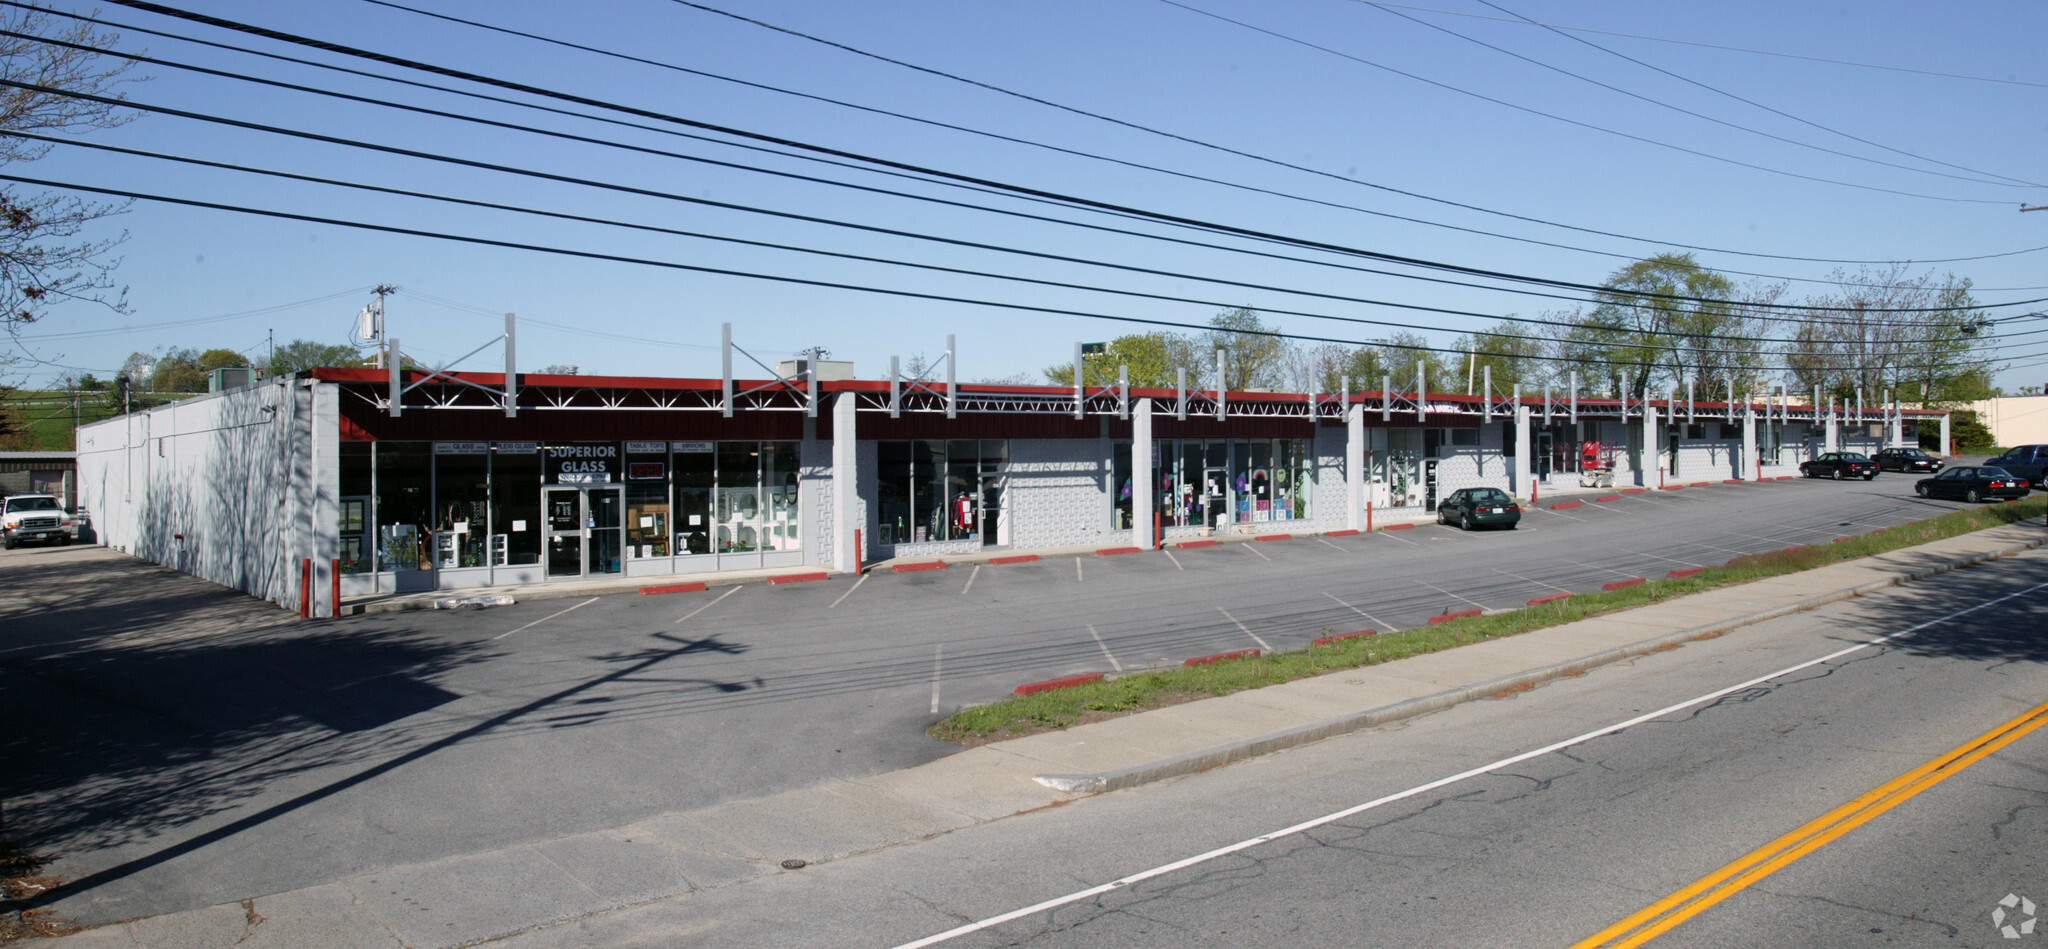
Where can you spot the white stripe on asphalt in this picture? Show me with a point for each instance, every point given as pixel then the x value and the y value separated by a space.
pixel 938 663
pixel 728 593
pixel 849 591
pixel 1384 627
pixel 1247 630
pixel 1113 664
pixel 544 619
pixel 970 580
pixel 1248 546
pixel 1420 789
pixel 1170 556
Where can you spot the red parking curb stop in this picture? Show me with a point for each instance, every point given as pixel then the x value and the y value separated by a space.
pixel 1025 558
pixel 1731 480
pixel 1399 527
pixel 672 588
pixel 1554 597
pixel 1791 549
pixel 1634 490
pixel 1564 505
pixel 1618 584
pixel 1785 478
pixel 1195 543
pixel 1607 497
pixel 1114 551
pixel 1838 540
pixel 1221 656
pixel 1267 537
pixel 915 567
pixel 1701 484
pixel 1327 640
pixel 1343 533
pixel 1674 487
pixel 799 577
pixel 1051 684
pixel 1447 617
pixel 1682 574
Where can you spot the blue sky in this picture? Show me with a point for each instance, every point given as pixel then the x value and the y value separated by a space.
pixel 1315 84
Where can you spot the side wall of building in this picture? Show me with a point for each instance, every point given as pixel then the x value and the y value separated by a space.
pixel 239 488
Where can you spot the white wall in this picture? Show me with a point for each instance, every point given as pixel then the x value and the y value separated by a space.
pixel 235 487
pixel 2018 420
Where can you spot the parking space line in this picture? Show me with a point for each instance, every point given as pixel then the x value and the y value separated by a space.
pixel 970 580
pixel 1113 664
pixel 1532 580
pixel 1590 566
pixel 555 614
pixel 1334 546
pixel 1247 630
pixel 1382 533
pixel 938 664
pixel 1638 553
pixel 1170 556
pixel 730 592
pixel 1568 517
pixel 849 592
pixel 1449 593
pixel 1255 550
pixel 1077 570
pixel 1384 626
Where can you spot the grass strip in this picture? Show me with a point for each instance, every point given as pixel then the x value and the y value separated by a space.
pixel 1048 711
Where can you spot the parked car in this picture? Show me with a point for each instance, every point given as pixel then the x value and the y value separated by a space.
pixel 2025 461
pixel 1479 507
pixel 1906 459
pixel 1973 484
pixel 1839 465
pixel 33 517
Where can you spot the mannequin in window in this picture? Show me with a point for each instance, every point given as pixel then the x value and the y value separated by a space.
pixel 963 515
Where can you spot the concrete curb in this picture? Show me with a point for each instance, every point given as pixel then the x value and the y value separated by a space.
pixel 1220 755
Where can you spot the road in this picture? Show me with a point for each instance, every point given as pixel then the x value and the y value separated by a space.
pixel 1529 820
pixel 199 769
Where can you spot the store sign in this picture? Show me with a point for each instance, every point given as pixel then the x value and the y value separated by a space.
pixel 646 448
pixel 462 448
pixel 646 471
pixel 695 448
pixel 583 464
pixel 518 448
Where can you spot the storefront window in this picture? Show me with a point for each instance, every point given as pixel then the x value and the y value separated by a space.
pixel 1120 485
pixel 353 515
pixel 930 490
pixel 740 520
pixel 515 504
pixel 404 497
pixel 695 475
pixel 892 495
pixel 779 483
pixel 647 504
pixel 462 496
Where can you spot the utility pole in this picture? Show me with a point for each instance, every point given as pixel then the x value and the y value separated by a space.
pixel 375 319
pixel 2038 207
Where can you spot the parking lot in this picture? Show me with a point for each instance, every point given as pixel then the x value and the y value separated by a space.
pixel 199 746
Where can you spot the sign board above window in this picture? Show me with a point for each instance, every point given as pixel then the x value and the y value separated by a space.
pixel 695 448
pixel 646 448
pixel 462 448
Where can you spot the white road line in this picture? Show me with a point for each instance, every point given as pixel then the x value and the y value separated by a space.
pixel 1251 546
pixel 1638 553
pixel 713 603
pixel 1383 627
pixel 1725 550
pixel 849 590
pixel 546 618
pixel 1113 664
pixel 1449 593
pixel 970 580
pixel 1532 580
pixel 1247 630
pixel 1170 556
pixel 1567 517
pixel 1421 789
pixel 1390 536
pixel 1334 546
pixel 1077 570
pixel 1619 573
pixel 938 663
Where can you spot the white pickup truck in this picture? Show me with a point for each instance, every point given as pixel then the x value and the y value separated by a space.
pixel 33 517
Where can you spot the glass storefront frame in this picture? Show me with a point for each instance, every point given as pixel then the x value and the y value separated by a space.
pixel 1219 482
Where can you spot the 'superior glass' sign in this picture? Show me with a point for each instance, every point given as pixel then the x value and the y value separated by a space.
pixel 583 464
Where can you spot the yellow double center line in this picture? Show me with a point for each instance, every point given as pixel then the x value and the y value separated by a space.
pixel 1662 916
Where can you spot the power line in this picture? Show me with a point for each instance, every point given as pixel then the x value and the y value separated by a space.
pixel 784 278
pixel 864 258
pixel 1559 118
pixel 138 327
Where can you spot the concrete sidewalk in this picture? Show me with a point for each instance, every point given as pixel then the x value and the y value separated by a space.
pixel 475 897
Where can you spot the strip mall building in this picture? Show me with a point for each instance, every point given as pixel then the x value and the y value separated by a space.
pixel 445 481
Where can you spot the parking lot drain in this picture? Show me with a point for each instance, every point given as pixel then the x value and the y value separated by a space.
pixel 673 588
pixel 1048 685
pixel 1447 617
pixel 1221 656
pixel 1618 584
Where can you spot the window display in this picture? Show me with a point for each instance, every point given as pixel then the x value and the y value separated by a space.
pixel 462 496
pixel 515 503
pixel 404 497
pixel 933 490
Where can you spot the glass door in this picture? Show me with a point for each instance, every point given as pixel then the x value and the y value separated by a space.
pixel 564 511
pixel 603 527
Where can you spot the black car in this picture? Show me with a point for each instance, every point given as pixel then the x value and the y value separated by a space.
pixel 1839 465
pixel 1907 459
pixel 2026 461
pixel 1479 507
pixel 1973 484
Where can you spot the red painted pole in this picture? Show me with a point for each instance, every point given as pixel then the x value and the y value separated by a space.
pixel 336 577
pixel 856 553
pixel 306 588
pixel 1368 517
pixel 1157 532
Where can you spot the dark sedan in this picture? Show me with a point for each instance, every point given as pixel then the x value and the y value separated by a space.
pixel 1839 465
pixel 1973 484
pixel 1907 460
pixel 1479 507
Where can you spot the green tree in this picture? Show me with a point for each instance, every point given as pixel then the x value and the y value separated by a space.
pixel 1252 356
pixel 1888 329
pixel 1505 348
pixel 1660 319
pixel 186 370
pixel 300 355
pixel 15 434
pixel 1151 359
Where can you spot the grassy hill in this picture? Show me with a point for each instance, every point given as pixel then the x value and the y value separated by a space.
pixel 52 414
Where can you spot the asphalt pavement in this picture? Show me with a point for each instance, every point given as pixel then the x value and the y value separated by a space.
pixel 215 749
